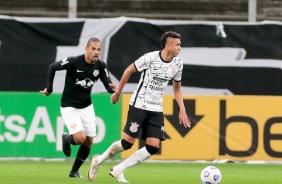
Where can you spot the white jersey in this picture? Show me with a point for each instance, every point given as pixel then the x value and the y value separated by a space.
pixel 155 76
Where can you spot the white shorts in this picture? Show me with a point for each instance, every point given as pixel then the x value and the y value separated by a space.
pixel 80 119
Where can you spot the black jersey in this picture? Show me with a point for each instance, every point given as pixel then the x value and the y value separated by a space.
pixel 80 78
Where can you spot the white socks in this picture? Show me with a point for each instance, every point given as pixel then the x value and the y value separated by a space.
pixel 136 158
pixel 114 149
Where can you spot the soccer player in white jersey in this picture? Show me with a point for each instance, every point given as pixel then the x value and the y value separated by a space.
pixel 145 107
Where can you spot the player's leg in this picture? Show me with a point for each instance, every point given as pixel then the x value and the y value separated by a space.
pixel 114 149
pixel 136 158
pixel 153 132
pixel 140 155
pixel 82 154
pixel 131 130
pixel 73 123
pixel 84 137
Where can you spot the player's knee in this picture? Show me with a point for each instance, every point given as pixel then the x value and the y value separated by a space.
pixel 152 149
pixel 88 142
pixel 125 144
pixel 80 140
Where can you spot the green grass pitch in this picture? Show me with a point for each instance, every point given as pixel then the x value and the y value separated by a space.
pixel 56 172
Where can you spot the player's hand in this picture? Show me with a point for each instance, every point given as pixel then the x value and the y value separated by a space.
pixel 113 86
pixel 183 119
pixel 115 97
pixel 45 92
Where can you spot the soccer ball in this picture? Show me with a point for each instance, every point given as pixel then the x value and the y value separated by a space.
pixel 211 175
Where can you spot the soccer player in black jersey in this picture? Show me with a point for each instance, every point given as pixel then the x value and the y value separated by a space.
pixel 157 68
pixel 76 106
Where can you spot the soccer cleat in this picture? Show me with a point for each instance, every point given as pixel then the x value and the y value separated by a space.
pixel 118 175
pixel 66 145
pixel 93 169
pixel 75 175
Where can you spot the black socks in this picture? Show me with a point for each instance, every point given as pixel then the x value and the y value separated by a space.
pixel 81 156
pixel 70 140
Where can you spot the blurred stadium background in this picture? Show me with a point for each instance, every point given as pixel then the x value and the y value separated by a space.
pixel 232 85
pixel 206 10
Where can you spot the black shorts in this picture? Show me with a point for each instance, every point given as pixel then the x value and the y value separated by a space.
pixel 151 123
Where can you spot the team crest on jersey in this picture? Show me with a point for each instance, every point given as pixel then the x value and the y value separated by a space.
pixel 96 73
pixel 172 70
pixel 134 127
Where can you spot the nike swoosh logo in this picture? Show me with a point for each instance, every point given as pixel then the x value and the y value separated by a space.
pixel 79 71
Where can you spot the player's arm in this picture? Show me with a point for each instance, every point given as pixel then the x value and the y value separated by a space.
pixel 106 80
pixel 126 75
pixel 183 118
pixel 53 67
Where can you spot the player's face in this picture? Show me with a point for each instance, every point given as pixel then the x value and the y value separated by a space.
pixel 174 46
pixel 93 51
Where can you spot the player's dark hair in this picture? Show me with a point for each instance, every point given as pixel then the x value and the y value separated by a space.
pixel 170 34
pixel 93 39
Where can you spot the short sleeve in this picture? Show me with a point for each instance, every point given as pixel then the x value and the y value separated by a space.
pixel 177 77
pixel 142 63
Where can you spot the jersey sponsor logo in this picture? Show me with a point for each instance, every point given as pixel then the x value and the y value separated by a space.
pixel 86 83
pixel 134 127
pixel 79 70
pixel 96 73
pixel 157 84
pixel 64 61
pixel 159 79
pixel 156 88
pixel 153 103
